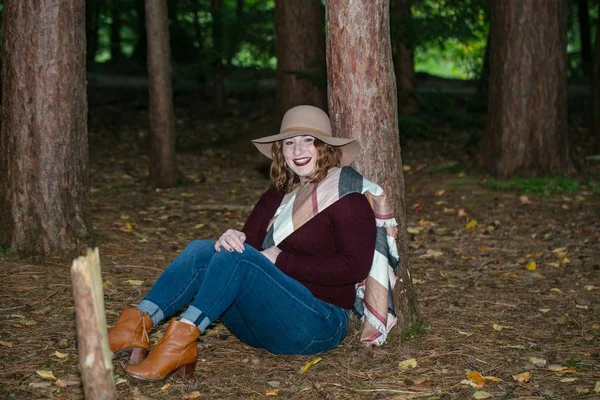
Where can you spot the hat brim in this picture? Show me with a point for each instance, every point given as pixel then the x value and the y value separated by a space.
pixel 349 147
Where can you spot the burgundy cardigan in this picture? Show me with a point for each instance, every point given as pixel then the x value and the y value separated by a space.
pixel 330 253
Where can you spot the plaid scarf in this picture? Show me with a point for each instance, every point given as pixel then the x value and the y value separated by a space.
pixel 374 303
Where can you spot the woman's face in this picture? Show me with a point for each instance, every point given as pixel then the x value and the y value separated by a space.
pixel 301 156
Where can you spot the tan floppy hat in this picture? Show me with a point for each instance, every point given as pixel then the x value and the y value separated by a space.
pixel 309 121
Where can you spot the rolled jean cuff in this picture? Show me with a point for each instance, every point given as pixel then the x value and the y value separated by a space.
pixel 154 311
pixel 197 317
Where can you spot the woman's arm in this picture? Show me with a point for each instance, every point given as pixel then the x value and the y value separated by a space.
pixel 255 227
pixel 354 237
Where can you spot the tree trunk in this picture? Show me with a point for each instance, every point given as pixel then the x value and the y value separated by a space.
pixel 363 105
pixel 163 162
pixel 220 97
pixel 526 131
pixel 95 358
pixel 43 145
pixel 300 50
pixel 583 15
pixel 115 31
pixel 596 89
pixel 404 64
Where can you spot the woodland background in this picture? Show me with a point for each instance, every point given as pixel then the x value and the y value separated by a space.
pixel 503 245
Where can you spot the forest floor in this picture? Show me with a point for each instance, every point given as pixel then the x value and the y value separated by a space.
pixel 508 282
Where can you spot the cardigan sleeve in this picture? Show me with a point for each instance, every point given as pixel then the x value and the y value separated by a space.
pixel 255 227
pixel 354 237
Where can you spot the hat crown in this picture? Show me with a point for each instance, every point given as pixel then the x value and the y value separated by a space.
pixel 306 118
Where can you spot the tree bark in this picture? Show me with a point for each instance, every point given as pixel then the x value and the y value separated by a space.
pixel 300 49
pixel 404 65
pixel 583 15
pixel 95 357
pixel 526 131
pixel 115 31
pixel 163 162
pixel 220 97
pixel 363 105
pixel 596 89
pixel 43 145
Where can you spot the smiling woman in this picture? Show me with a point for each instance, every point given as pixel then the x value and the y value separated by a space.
pixel 273 285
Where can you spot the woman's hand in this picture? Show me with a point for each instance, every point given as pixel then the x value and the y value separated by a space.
pixel 271 253
pixel 231 240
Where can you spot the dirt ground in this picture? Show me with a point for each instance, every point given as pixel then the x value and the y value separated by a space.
pixel 508 283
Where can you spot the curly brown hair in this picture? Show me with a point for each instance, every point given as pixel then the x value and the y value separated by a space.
pixel 285 180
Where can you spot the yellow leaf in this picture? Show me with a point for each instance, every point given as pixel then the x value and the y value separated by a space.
pixel 6 344
pixel 431 254
pixel 58 354
pixel 524 200
pixel 597 387
pixel 497 327
pixel 45 374
pixel 538 362
pixel 310 364
pixel 493 379
pixel 544 310
pixel 462 212
pixel 439 193
pixel 556 368
pixel 531 266
pixel 484 249
pixel 557 290
pixel 120 381
pixel 134 282
pixel 199 226
pixel 568 380
pixel 590 287
pixel 165 387
pixel 476 378
pixel 480 394
pixel 272 392
pixel 129 226
pixel 407 364
pixel 414 231
pixel 522 377
pixel 106 285
pixel 471 224
pixel 565 260
pixel 193 395
pixel 469 383
pixel 596 326
pixel 406 168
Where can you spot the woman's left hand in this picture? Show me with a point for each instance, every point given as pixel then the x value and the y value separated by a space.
pixel 271 253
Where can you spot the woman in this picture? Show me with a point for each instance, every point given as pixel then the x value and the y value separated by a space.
pixel 287 280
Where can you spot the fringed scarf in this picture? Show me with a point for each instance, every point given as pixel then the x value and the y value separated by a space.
pixel 374 303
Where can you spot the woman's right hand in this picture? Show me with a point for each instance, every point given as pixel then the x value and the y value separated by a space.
pixel 231 240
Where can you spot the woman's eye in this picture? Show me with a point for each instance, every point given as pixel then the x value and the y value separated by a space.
pixel 309 140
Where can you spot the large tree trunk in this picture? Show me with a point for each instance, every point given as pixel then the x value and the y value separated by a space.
pixel 583 15
pixel 115 31
pixel 300 49
pixel 596 89
pixel 163 162
pixel 526 131
pixel 404 64
pixel 220 97
pixel 43 145
pixel 363 105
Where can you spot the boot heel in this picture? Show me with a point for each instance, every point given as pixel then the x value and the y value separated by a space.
pixel 187 371
pixel 137 355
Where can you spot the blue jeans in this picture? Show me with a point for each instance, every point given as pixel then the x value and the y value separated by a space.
pixel 257 302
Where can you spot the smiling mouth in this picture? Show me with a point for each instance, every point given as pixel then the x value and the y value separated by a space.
pixel 301 162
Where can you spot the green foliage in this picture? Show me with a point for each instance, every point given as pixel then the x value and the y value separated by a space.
pixel 415 127
pixel 413 332
pixel 545 186
pixel 5 251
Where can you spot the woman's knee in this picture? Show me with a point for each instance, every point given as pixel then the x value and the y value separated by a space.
pixel 198 245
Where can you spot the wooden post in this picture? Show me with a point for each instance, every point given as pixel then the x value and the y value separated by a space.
pixel 95 357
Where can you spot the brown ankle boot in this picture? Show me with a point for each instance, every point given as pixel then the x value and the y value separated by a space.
pixel 175 352
pixel 130 332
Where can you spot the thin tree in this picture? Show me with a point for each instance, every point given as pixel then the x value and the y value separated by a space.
pixel 43 144
pixel 596 88
pixel 404 64
pixel 163 162
pixel 363 105
pixel 526 131
pixel 300 50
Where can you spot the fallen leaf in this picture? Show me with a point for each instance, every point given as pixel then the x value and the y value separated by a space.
pixel 192 395
pixel 414 231
pixel 484 249
pixel 556 368
pixel 497 327
pixel 432 254
pixel 471 224
pixel 557 290
pixel 60 383
pixel 42 311
pixel 119 381
pixel 407 364
pixel 493 379
pixel 134 282
pixel 6 344
pixel 129 226
pixel 590 287
pixel 45 374
pixel 39 384
pixel 522 377
pixel 544 310
pixel 480 394
pixel 272 392
pixel 595 326
pixel 581 390
pixel 597 387
pixel 538 362
pixel 524 200
pixel 469 383
pixel 58 354
pixel 476 378
pixel 568 380
pixel 310 364
pixel 531 266
pixel 199 226
pixel 165 387
pixel 462 212
pixel 418 206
